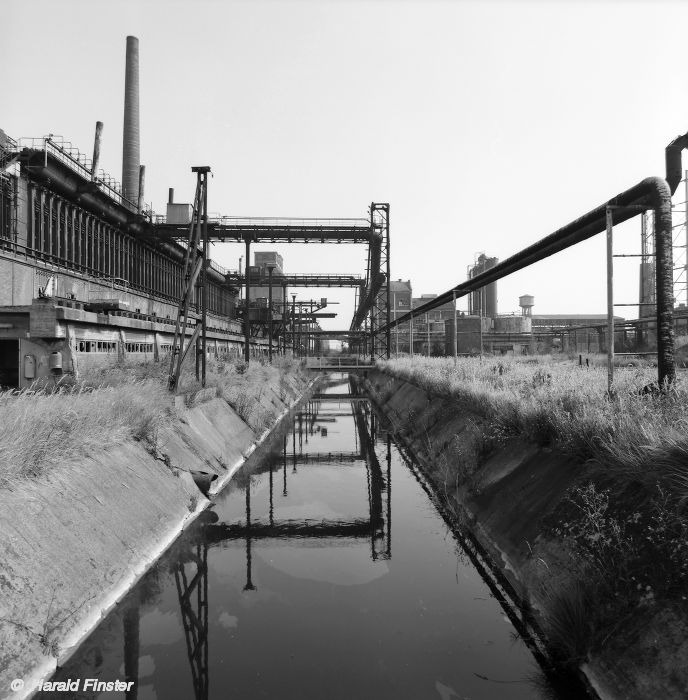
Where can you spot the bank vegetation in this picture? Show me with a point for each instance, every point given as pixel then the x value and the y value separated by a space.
pixel 56 421
pixel 612 556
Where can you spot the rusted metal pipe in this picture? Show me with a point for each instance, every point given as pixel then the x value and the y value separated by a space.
pixel 651 193
pixel 96 150
pixel 672 157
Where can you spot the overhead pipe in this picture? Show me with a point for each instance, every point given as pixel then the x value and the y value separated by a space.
pixel 672 157
pixel 131 137
pixel 366 302
pixel 96 150
pixel 376 280
pixel 651 193
pixel 219 231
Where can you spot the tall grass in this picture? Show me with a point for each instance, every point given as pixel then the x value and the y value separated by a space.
pixel 625 542
pixel 39 429
pixel 560 404
pixel 56 422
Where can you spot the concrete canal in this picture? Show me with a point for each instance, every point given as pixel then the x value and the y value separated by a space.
pixel 324 570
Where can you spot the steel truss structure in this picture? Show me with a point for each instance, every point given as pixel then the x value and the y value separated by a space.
pixel 373 299
pixel 380 316
pixel 196 261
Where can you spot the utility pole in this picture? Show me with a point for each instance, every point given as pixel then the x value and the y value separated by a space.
pixel 293 324
pixel 427 331
pixel 411 330
pixel 270 269
pixel 480 319
pixel 247 303
pixel 456 335
pixel 610 302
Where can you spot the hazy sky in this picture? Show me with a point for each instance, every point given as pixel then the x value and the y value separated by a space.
pixel 485 125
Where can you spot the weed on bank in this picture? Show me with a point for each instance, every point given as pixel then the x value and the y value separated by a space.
pixel 623 529
pixel 56 421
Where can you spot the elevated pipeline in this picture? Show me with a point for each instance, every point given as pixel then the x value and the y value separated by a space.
pixel 375 281
pixel 651 193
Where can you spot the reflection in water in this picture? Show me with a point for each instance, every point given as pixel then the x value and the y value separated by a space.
pixel 313 563
pixel 191 576
pixel 131 649
pixel 192 589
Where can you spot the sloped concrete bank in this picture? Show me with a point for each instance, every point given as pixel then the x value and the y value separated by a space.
pixel 512 504
pixel 75 540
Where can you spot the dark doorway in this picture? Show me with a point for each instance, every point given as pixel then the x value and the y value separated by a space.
pixel 9 363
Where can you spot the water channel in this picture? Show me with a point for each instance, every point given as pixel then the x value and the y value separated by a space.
pixel 323 571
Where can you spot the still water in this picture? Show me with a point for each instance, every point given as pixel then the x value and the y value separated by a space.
pixel 323 571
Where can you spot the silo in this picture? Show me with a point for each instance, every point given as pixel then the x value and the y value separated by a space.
pixel 483 302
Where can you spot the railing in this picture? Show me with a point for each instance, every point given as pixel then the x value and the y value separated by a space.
pixel 82 165
pixel 280 222
pixel 325 362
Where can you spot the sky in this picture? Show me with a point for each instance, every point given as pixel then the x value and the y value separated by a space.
pixel 485 125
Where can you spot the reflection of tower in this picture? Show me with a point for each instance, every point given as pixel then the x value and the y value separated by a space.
pixel 284 465
pixel 131 649
pixel 193 602
pixel 379 487
pixel 249 581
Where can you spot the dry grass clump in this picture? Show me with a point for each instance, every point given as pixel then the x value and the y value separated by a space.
pixel 54 422
pixel 40 429
pixel 252 390
pixel 626 533
pixel 561 404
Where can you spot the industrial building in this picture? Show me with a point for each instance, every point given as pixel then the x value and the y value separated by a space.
pixel 84 278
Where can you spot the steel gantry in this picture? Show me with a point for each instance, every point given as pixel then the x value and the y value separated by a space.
pixel 373 300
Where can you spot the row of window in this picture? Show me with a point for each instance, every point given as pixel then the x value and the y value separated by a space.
pixel 67 235
pixel 110 346
pixel 96 346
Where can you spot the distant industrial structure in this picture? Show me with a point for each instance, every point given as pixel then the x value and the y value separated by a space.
pixel 91 276
pixel 445 330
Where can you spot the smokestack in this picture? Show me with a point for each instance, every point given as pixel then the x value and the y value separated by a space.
pixel 131 155
pixel 96 150
pixel 170 196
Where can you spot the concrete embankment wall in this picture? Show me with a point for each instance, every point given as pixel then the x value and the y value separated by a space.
pixel 516 499
pixel 75 540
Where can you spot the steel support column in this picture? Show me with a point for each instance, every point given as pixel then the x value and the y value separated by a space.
pixel 247 303
pixel 381 317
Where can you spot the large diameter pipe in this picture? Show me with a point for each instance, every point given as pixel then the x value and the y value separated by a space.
pixel 651 193
pixel 131 138
pixel 674 167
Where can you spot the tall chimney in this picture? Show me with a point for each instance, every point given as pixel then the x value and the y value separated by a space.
pixel 131 155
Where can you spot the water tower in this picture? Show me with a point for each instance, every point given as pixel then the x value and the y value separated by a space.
pixel 526 302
